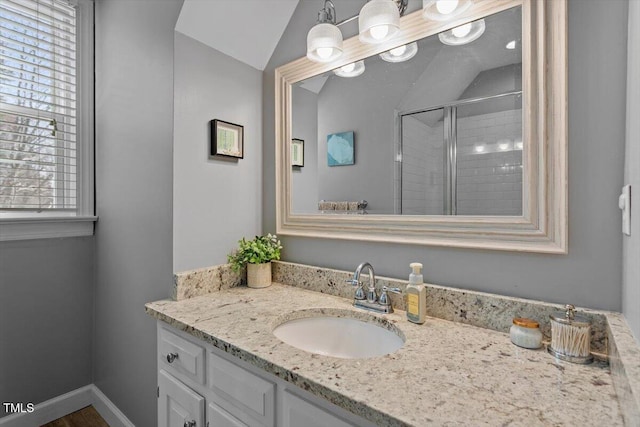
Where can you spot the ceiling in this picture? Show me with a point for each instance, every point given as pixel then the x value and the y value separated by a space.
pixel 223 25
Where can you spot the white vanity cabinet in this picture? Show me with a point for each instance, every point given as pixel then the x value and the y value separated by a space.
pixel 200 385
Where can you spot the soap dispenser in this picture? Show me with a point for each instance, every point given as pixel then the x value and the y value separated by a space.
pixel 416 295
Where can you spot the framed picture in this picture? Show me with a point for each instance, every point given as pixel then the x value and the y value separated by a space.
pixel 297 152
pixel 227 139
pixel 340 151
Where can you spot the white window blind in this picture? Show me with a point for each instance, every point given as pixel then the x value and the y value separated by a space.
pixel 38 146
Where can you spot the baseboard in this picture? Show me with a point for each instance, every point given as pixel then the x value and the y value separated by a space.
pixel 107 410
pixel 51 409
pixel 67 403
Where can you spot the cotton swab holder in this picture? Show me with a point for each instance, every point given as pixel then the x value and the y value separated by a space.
pixel 570 336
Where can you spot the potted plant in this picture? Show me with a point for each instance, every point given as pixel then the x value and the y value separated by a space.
pixel 256 255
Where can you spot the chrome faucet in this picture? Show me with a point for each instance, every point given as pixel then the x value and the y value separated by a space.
pixel 370 299
pixel 372 295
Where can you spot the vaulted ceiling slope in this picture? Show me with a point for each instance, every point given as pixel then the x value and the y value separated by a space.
pixel 247 30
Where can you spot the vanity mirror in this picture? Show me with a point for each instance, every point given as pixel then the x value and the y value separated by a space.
pixel 458 133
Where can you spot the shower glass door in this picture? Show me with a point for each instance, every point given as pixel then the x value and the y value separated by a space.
pixel 462 159
pixel 422 163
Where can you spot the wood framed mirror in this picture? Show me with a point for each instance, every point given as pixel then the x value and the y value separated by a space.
pixel 533 160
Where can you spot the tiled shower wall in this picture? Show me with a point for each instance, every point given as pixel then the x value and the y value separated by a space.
pixel 489 166
pixel 490 181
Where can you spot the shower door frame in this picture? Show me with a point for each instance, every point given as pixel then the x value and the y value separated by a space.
pixel 450 143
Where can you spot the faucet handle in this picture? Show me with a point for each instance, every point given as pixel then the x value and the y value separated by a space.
pixel 360 291
pixel 354 282
pixel 384 297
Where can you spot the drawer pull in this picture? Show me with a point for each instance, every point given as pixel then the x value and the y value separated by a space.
pixel 191 423
pixel 170 358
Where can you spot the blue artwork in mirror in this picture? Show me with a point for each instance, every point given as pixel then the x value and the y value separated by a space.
pixel 340 150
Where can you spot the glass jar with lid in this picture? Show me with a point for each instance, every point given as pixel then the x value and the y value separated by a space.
pixel 526 333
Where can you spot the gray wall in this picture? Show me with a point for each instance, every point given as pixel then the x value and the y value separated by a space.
pixel 631 279
pixel 493 82
pixel 590 275
pixel 134 128
pixel 366 105
pixel 215 200
pixel 46 306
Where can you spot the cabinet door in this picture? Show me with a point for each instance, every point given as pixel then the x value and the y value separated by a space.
pixel 297 412
pixel 178 405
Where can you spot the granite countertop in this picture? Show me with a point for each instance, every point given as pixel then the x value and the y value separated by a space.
pixel 446 373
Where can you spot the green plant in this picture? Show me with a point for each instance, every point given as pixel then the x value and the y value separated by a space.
pixel 257 251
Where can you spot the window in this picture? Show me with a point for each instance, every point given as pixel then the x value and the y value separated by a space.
pixel 46 118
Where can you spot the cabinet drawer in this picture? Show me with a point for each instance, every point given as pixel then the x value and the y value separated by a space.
pixel 297 412
pixel 251 394
pixel 218 417
pixel 181 356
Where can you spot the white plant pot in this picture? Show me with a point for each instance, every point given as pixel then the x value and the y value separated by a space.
pixel 259 275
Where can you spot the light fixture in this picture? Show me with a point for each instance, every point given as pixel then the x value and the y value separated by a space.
pixel 463 34
pixel 462 30
pixel 511 45
pixel 479 148
pixel 324 40
pixel 504 144
pixel 379 20
pixel 400 53
pixel 350 70
pixel 443 10
pixel 445 7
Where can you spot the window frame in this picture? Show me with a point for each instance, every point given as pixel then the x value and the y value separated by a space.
pixel 53 224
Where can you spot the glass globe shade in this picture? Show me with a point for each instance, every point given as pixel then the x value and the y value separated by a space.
pixel 350 70
pixel 399 50
pixel 379 20
pixel 349 67
pixel 400 53
pixel 443 10
pixel 445 7
pixel 324 43
pixel 462 30
pixel 463 34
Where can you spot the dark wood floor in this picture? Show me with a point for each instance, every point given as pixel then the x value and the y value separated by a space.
pixel 85 417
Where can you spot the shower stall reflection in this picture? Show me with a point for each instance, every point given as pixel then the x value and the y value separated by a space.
pixel 463 158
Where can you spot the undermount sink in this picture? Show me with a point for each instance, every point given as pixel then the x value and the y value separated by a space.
pixel 343 337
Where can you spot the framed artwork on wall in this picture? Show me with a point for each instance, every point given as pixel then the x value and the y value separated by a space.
pixel 227 139
pixel 297 152
pixel 340 149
